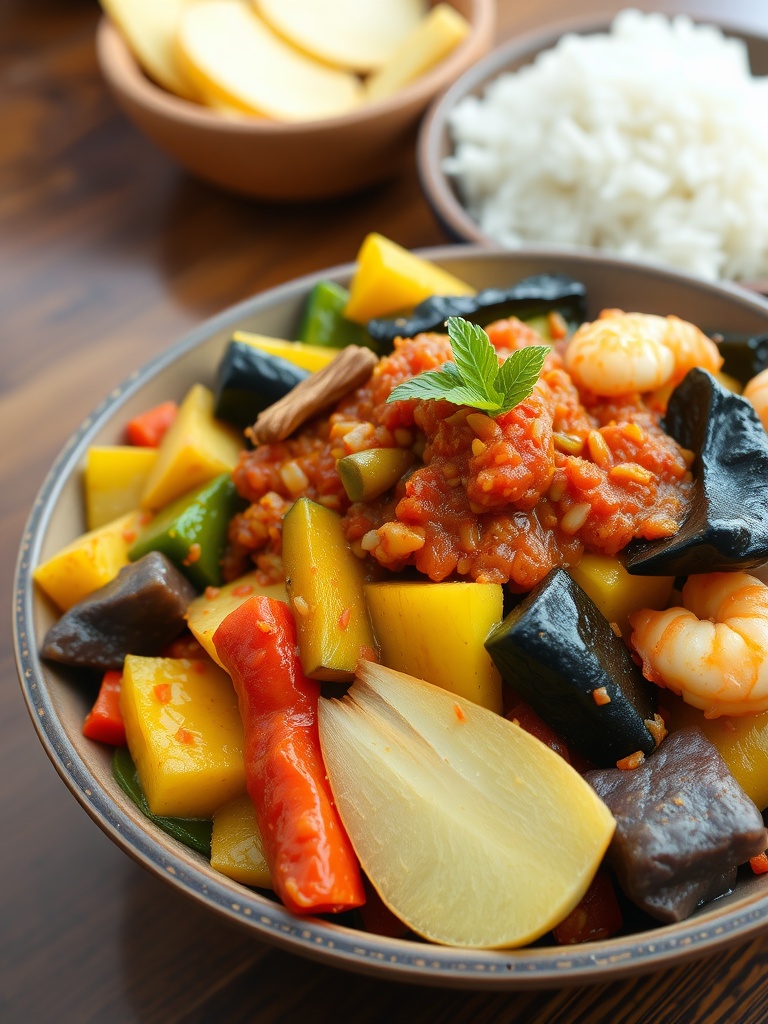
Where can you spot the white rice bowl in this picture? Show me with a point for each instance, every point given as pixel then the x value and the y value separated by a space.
pixel 649 141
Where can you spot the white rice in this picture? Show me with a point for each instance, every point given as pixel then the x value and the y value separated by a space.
pixel 650 141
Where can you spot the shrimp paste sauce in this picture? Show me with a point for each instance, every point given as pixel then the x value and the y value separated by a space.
pixel 502 500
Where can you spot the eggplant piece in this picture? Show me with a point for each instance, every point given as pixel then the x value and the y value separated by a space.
pixel 533 296
pixel 727 525
pixel 559 653
pixel 139 612
pixel 683 825
pixel 249 380
pixel 744 355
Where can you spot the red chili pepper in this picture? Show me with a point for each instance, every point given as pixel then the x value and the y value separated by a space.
pixel 314 868
pixel 597 916
pixel 104 722
pixel 148 428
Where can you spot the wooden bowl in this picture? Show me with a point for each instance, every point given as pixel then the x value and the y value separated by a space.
pixel 435 143
pixel 270 160
pixel 58 703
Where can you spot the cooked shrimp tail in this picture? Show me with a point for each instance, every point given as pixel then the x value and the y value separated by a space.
pixel 713 651
pixel 620 353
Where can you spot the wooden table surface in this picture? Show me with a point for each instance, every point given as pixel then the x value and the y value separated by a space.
pixel 108 253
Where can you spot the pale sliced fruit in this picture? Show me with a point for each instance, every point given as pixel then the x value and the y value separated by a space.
pixel 149 28
pixel 232 57
pixel 473 832
pixel 360 35
pixel 431 41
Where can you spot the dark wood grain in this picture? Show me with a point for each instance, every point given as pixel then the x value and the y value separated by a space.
pixel 107 253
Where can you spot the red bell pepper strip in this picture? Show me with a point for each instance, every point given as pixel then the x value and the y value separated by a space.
pixel 104 722
pixel 314 868
pixel 148 428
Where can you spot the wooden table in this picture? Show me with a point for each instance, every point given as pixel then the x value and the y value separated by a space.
pixel 107 254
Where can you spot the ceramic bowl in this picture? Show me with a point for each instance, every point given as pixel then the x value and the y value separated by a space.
pixel 271 160
pixel 57 704
pixel 435 142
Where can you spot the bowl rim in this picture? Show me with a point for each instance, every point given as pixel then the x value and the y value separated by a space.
pixel 435 183
pixel 325 941
pixel 122 70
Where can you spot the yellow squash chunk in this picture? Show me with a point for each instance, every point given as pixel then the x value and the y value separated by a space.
pixel 231 55
pixel 324 580
pixel 359 35
pixel 115 478
pixel 308 357
pixel 436 631
pixel 429 42
pixel 473 832
pixel 615 592
pixel 149 28
pixel 237 849
pixel 184 733
pixel 206 611
pixel 742 742
pixel 196 448
pixel 390 279
pixel 89 562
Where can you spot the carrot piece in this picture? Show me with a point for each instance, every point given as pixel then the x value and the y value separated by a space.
pixel 313 866
pixel 597 916
pixel 104 722
pixel 759 864
pixel 148 428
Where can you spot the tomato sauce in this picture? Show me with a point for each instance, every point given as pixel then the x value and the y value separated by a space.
pixel 493 500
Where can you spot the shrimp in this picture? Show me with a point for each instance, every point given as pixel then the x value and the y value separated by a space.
pixel 756 393
pixel 622 352
pixel 713 652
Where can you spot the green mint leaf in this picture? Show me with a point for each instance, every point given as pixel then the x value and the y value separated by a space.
pixel 517 375
pixel 429 384
pixel 476 358
pixel 475 378
pixel 443 383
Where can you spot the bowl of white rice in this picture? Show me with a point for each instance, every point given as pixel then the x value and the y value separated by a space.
pixel 644 137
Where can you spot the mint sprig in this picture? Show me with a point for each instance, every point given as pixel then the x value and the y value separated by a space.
pixel 475 378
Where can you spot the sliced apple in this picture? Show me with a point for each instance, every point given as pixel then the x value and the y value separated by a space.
pixel 360 35
pixel 149 28
pixel 429 43
pixel 473 832
pixel 232 57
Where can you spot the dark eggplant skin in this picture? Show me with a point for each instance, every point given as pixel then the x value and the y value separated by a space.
pixel 555 648
pixel 727 526
pixel 744 355
pixel 533 296
pixel 248 381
